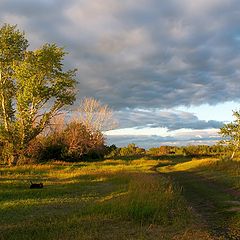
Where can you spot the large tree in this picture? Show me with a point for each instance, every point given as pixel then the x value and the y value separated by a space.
pixel 33 88
pixel 231 133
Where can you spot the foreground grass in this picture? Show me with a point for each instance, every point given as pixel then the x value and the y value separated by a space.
pixel 113 199
pixel 105 200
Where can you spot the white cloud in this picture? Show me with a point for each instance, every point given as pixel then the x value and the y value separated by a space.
pixel 187 137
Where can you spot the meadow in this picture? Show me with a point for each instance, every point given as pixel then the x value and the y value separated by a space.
pixel 119 199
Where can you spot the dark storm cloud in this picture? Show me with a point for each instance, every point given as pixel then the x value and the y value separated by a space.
pixel 171 120
pixel 142 53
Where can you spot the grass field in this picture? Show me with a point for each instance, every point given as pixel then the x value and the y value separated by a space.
pixel 112 199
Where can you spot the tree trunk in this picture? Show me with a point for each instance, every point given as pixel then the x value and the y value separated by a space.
pixel 233 153
pixel 3 104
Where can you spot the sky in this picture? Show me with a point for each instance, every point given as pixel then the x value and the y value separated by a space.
pixel 168 69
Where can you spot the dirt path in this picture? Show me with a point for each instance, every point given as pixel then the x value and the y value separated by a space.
pixel 218 207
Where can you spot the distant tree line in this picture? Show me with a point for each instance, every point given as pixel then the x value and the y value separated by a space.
pixel 131 150
pixel 190 150
pixel 227 148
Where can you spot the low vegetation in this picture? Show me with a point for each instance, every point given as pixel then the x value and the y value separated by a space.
pixel 124 199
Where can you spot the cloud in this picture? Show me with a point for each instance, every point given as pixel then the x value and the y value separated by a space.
pixel 175 138
pixel 144 58
pixel 170 119
pixel 141 53
pixel 152 127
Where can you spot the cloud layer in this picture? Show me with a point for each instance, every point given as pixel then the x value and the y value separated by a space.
pixel 142 56
pixel 170 119
pixel 141 53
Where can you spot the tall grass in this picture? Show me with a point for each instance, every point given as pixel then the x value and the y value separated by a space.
pixel 147 198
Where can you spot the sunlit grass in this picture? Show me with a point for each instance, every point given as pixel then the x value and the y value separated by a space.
pixel 112 199
pixel 86 200
pixel 211 183
pixel 148 198
pixel 189 165
pixel 224 171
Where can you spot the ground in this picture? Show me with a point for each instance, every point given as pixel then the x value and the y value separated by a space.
pixel 211 187
pixel 146 198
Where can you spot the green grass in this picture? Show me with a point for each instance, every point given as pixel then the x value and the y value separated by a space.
pixel 112 199
pixel 226 172
pixel 188 165
pixel 120 199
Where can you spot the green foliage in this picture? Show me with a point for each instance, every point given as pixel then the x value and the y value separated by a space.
pixel 131 150
pixel 162 150
pixel 37 85
pixel 166 151
pixel 111 151
pixel 231 134
pixel 12 49
pixel 51 147
pixel 191 150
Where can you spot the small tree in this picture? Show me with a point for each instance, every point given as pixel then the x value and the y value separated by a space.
pixel 231 133
pixel 33 88
pixel 97 118
pixel 77 140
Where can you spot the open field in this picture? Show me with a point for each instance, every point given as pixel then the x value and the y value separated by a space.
pixel 118 199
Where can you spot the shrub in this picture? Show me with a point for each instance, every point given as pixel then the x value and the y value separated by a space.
pixel 131 150
pixel 73 143
pixel 82 143
pixel 111 151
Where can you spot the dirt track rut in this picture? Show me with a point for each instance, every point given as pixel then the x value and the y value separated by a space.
pixel 216 205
